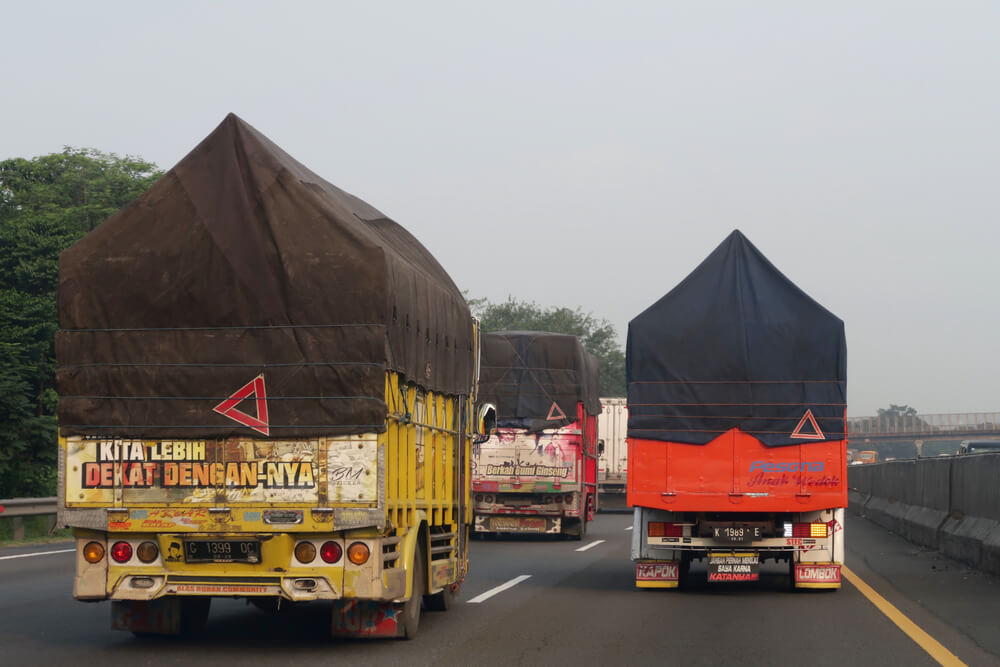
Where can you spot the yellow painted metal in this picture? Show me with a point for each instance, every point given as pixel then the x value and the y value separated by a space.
pixel 421 440
pixel 656 584
pixel 420 493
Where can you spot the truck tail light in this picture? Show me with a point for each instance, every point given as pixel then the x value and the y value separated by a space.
pixel 93 552
pixel 330 552
pixel 305 552
pixel 358 553
pixel 121 551
pixel 147 552
pixel 664 529
pixel 815 529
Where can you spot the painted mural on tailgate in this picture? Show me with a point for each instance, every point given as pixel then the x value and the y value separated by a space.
pixel 234 470
pixel 548 455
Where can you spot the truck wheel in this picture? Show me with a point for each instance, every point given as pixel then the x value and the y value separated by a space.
pixel 411 610
pixel 683 570
pixel 578 530
pixel 441 601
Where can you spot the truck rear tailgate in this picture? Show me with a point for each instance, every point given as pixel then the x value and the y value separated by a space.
pixel 737 473
pixel 150 477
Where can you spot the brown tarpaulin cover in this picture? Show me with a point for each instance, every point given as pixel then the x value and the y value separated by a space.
pixel 525 373
pixel 240 262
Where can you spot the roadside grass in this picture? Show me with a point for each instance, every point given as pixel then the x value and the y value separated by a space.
pixel 36 531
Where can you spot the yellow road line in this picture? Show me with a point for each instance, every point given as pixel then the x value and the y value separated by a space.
pixel 912 630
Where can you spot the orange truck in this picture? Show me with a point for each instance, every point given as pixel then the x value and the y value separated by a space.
pixel 737 427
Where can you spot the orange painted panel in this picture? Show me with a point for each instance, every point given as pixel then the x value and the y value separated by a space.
pixel 737 473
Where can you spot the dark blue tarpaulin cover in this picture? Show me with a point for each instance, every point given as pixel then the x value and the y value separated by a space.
pixel 536 378
pixel 736 345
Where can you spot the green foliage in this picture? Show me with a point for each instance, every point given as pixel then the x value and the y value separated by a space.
pixel 897 411
pixel 598 336
pixel 46 204
pixel 36 530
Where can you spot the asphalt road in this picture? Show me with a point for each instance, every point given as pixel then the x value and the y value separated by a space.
pixel 573 607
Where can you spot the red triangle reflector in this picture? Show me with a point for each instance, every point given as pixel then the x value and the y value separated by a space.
pixel 255 388
pixel 808 418
pixel 555 412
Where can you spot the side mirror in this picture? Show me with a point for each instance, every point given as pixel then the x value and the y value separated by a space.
pixel 486 422
pixel 600 447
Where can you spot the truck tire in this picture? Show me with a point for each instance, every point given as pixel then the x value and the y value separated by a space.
pixel 577 531
pixel 411 610
pixel 441 601
pixel 683 570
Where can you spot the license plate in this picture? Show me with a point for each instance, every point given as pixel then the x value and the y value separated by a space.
pixel 736 533
pixel 222 551
pixel 518 524
pixel 733 567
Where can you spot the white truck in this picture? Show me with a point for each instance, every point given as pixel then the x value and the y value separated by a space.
pixel 612 466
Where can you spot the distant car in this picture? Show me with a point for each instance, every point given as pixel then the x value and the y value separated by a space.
pixel 978 446
pixel 867 456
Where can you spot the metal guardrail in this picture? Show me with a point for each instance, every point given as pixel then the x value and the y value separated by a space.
pixel 18 508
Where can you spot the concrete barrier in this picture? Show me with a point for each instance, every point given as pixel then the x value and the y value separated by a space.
pixel 972 532
pixel 947 503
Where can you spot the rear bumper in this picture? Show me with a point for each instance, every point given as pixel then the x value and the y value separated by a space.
pixel 278 574
pixel 513 523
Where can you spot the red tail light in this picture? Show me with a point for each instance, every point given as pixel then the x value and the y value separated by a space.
pixel 808 530
pixel 664 529
pixel 121 551
pixel 330 552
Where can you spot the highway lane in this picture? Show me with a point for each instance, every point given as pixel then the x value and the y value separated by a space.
pixel 576 606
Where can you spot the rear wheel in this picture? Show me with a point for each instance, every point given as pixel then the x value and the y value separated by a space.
pixel 578 530
pixel 441 601
pixel 411 609
pixel 683 570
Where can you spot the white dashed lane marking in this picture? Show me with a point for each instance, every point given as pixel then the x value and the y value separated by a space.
pixel 591 545
pixel 482 597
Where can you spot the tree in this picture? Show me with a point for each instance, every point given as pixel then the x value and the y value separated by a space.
pixel 46 204
pixel 598 336
pixel 897 411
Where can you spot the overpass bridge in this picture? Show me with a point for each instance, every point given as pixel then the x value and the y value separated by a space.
pixel 910 436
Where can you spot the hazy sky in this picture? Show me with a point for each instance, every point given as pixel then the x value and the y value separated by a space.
pixel 592 154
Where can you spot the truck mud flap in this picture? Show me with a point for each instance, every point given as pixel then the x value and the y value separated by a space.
pixel 658 574
pixel 816 575
pixel 518 524
pixel 367 619
pixel 163 616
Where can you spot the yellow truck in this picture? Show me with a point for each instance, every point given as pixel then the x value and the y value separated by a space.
pixel 267 392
